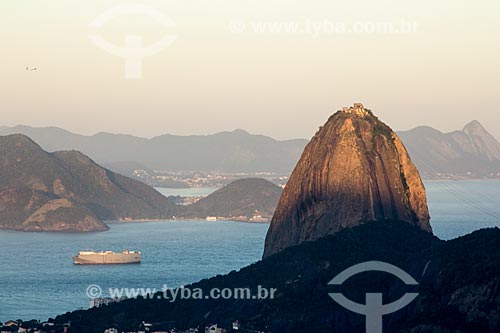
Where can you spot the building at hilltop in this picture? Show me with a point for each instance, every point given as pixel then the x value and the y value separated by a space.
pixel 357 108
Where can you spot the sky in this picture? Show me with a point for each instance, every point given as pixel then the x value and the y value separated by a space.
pixel 273 67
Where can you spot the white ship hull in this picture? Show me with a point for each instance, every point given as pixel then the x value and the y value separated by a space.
pixel 107 258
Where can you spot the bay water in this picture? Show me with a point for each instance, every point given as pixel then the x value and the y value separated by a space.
pixel 38 279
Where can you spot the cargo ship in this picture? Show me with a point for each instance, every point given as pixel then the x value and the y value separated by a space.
pixel 107 258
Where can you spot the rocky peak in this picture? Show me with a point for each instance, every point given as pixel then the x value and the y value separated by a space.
pixel 18 141
pixel 355 169
pixel 475 128
pixel 477 141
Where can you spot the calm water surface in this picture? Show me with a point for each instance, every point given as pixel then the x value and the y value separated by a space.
pixel 186 192
pixel 38 279
pixel 460 207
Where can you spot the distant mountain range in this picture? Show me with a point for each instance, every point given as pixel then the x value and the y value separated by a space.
pixel 469 153
pixel 67 191
pixel 231 152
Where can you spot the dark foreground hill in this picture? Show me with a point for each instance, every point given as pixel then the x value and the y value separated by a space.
pixel 67 191
pixel 243 199
pixel 459 283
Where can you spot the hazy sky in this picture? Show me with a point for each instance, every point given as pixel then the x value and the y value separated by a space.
pixel 226 70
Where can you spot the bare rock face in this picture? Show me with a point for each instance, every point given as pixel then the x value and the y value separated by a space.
pixel 63 215
pixel 355 169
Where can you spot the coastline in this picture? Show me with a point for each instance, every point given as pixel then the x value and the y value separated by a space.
pixel 458 179
pixel 186 219
pixel 131 221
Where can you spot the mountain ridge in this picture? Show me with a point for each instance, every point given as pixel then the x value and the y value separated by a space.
pixel 67 191
pixel 468 153
pixel 437 154
pixel 229 151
